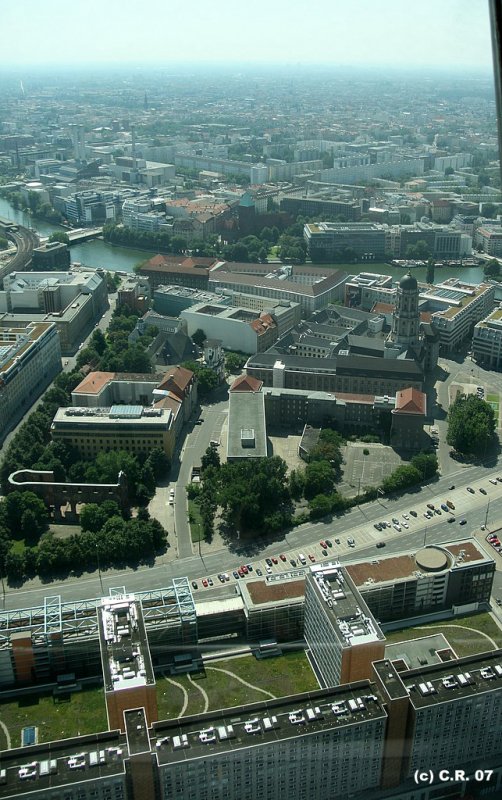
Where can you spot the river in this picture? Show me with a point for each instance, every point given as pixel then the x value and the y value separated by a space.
pixel 97 253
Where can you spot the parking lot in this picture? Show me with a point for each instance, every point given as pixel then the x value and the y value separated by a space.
pixel 366 465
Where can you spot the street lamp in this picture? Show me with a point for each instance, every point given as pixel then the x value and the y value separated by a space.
pixel 99 571
pixel 486 515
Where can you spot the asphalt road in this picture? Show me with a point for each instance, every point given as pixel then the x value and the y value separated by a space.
pixel 475 508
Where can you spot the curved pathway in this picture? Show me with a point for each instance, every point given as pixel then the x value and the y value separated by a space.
pixel 241 680
pixel 5 729
pixel 185 694
pixel 202 691
pixel 465 628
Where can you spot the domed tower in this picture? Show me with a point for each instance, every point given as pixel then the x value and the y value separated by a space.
pixel 406 318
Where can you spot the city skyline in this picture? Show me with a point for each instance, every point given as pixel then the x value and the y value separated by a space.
pixel 452 35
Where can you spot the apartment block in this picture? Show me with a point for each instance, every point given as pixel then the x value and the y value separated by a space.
pixel 30 359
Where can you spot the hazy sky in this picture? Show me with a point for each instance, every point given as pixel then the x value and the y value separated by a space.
pixel 433 33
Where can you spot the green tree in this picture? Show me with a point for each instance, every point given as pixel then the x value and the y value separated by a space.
pixel 419 251
pixel 92 518
pixel 211 458
pixel 492 269
pixel 319 479
pixel 449 171
pixel 489 210
pixel 234 362
pixel 207 380
pixel 199 337
pixel 471 425
pixel 59 236
pixel 320 505
pixel 3 243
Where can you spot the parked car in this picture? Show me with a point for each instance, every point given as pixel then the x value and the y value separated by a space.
pixel 282 557
pixel 444 506
pixel 323 545
pixel 463 522
pixel 337 541
pixel 324 552
pixel 451 519
pixel 312 558
pixel 292 562
pixel 470 489
pixel 431 506
pixel 268 569
pixel 329 543
pixel 210 581
pixel 492 480
pixel 268 562
pixel 274 560
pixel 259 572
pixel 413 513
pixel 380 544
pixel 236 575
pixel 483 491
pixel 450 504
pixel 204 583
pixel 195 585
pixel 450 488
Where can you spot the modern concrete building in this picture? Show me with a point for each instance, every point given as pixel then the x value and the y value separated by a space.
pixel 368 288
pixel 487 341
pixel 312 287
pixel 132 428
pixel 247 433
pixel 340 630
pixel 237 328
pixel 52 256
pixel 129 681
pixel 327 241
pixel 436 577
pixel 73 300
pixel 490 240
pixel 30 359
pixel 466 304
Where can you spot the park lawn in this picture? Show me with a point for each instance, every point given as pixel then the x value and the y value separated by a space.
pixel 83 713
pixel 492 398
pixel 170 698
pixel 464 642
pixel 281 676
pixel 195 521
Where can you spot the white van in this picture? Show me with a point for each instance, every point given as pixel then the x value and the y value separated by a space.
pixel 302 558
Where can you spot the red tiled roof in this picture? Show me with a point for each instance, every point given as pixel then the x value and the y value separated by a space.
pixel 382 308
pixel 411 401
pixel 94 382
pixel 176 378
pixel 246 383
